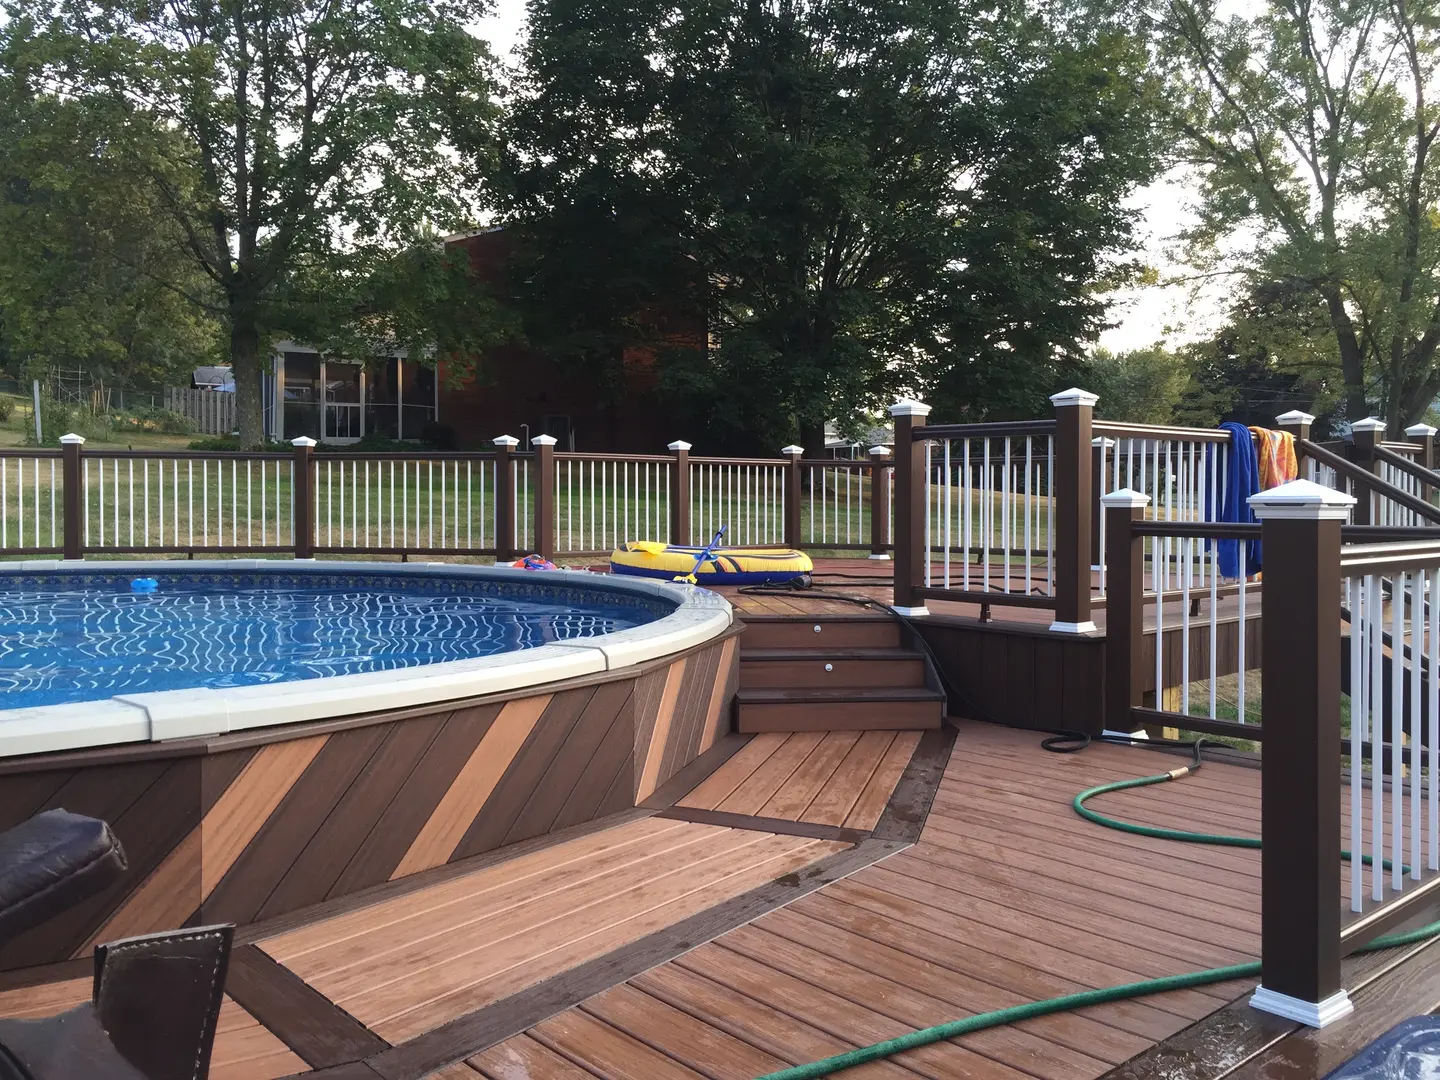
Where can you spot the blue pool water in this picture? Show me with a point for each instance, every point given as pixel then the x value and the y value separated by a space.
pixel 66 638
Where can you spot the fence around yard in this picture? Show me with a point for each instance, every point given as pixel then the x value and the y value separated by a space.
pixel 213 411
pixel 76 502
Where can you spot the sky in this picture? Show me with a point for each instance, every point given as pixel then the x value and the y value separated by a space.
pixel 1143 316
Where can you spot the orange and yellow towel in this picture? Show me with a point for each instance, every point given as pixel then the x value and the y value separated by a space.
pixel 1275 455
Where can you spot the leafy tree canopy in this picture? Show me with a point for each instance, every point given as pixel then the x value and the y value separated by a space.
pixel 861 196
pixel 1312 124
pixel 294 145
pixel 91 274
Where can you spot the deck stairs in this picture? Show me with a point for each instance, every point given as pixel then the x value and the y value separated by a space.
pixel 833 673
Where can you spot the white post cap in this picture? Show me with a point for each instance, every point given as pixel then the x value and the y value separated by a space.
pixel 678 445
pixel 1420 431
pixel 1295 416
pixel 908 406
pixel 544 440
pixel 1074 396
pixel 1126 498
pixel 1100 440
pixel 879 451
pixel 1368 424
pixel 792 450
pixel 1301 499
pixel 506 440
pixel 303 440
pixel 72 439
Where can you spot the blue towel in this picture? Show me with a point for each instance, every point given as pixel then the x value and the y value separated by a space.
pixel 1242 479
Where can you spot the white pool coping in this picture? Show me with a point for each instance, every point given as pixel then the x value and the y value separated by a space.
pixel 181 714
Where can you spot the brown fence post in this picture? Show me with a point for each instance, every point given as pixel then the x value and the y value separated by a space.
pixel 1300 778
pixel 879 502
pixel 1368 434
pixel 1424 434
pixel 911 555
pixel 1124 607
pixel 1074 409
pixel 1297 423
pixel 544 495
pixel 1100 448
pixel 72 476
pixel 794 493
pixel 303 491
pixel 680 493
pixel 505 497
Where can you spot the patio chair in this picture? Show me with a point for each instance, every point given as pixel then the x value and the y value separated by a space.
pixel 155 1000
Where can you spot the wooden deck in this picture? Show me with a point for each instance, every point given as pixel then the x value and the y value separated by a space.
pixel 812 894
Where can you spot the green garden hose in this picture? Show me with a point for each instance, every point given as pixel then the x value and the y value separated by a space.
pixel 1016 1013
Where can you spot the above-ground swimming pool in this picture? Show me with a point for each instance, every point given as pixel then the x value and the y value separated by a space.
pixel 78 637
pixel 85 659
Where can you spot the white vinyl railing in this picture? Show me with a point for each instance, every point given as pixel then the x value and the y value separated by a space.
pixel 748 498
pixel 1393 809
pixel 989 509
pixel 137 503
pixel 840 504
pixel 1387 512
pixel 404 503
pixel 603 502
pixel 30 496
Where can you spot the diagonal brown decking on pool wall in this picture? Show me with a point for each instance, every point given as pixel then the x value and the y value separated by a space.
pixel 241 827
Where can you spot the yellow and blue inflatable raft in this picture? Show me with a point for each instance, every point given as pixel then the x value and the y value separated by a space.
pixel 729 566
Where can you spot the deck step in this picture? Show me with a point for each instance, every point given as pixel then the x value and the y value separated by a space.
pixel 827 632
pixel 847 709
pixel 831 668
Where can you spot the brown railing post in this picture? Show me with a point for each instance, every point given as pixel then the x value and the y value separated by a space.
pixel 1297 423
pixel 1300 778
pixel 1124 607
pixel 505 497
pixel 794 493
pixel 1368 434
pixel 1074 410
pixel 303 492
pixel 1100 456
pixel 544 495
pixel 1424 434
pixel 879 502
pixel 72 476
pixel 680 493
pixel 910 553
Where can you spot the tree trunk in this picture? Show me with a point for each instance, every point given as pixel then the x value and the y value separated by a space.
pixel 1352 361
pixel 245 366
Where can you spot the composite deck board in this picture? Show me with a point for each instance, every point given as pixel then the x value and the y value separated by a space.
pixel 408 965
pixel 1007 897
pixel 841 778
pixel 243 1050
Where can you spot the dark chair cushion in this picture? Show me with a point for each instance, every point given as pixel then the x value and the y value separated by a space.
pixel 159 997
pixel 71 1046
pixel 52 862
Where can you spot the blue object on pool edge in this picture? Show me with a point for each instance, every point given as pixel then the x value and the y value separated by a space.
pixel 1408 1051
pixel 144 584
pixel 89 636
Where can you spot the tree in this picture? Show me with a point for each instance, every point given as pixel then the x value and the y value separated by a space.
pixel 1312 126
pixel 89 262
pixel 861 196
pixel 1139 386
pixel 302 142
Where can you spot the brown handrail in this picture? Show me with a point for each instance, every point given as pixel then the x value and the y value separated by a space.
pixel 191 455
pixel 769 463
pixel 1404 464
pixel 1369 479
pixel 410 455
pixel 1158 431
pixel 1208 530
pixel 997 428
pixel 640 459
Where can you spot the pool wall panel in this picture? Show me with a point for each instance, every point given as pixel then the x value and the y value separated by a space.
pixel 245 827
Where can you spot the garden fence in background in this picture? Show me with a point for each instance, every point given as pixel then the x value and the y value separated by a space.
pixel 212 411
